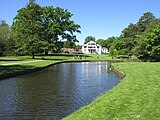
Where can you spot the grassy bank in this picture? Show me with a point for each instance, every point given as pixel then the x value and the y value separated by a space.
pixel 12 64
pixel 137 97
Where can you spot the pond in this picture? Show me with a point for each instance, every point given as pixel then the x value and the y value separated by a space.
pixel 54 92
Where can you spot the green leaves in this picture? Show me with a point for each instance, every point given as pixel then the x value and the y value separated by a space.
pixel 27 28
pixel 6 43
pixel 89 38
pixel 145 21
pixel 58 24
pixel 35 26
pixel 153 43
pixel 141 39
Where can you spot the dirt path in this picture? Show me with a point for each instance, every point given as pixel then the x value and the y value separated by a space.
pixel 16 63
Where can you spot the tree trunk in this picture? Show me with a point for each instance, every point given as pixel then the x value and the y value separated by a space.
pixel 46 52
pixel 32 55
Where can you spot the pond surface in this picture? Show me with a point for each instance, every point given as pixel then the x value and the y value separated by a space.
pixel 54 92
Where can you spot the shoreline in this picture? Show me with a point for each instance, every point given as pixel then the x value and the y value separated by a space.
pixel 8 75
pixel 138 91
pixel 120 72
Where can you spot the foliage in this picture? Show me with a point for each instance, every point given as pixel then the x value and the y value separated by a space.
pixel 58 26
pixel 106 43
pixel 6 42
pixel 69 44
pixel 101 42
pixel 145 21
pixel 109 41
pixel 89 38
pixel 28 30
pixel 140 39
pixel 78 47
pixel 129 37
pixel 149 46
pixel 41 29
pixel 117 47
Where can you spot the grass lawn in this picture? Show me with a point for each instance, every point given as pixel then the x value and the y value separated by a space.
pixel 137 96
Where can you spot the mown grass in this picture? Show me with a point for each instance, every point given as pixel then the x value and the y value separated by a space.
pixel 137 96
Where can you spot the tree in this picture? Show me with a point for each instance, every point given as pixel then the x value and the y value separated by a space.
pixel 68 44
pixel 117 47
pixel 6 44
pixel 106 43
pixel 59 26
pixel 28 30
pixel 149 46
pixel 101 42
pixel 37 28
pixel 78 47
pixel 144 21
pixel 130 37
pixel 89 38
pixel 109 41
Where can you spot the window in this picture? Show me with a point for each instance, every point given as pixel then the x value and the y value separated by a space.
pixel 93 44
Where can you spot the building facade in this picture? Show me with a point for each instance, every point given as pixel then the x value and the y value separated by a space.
pixel 93 48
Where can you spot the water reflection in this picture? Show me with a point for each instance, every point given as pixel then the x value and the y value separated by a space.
pixel 54 92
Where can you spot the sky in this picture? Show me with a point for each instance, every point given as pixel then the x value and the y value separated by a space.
pixel 98 18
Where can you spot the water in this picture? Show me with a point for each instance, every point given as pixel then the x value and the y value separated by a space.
pixel 55 92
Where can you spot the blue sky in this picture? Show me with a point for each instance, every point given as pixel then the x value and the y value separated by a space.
pixel 98 18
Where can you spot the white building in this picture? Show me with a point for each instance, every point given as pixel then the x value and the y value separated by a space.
pixel 93 48
pixel 105 50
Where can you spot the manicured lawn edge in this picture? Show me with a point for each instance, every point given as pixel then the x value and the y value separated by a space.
pixel 120 72
pixel 29 70
pixel 136 97
pixel 45 61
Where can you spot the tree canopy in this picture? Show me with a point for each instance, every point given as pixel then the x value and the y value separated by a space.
pixel 140 39
pixel 6 44
pixel 106 43
pixel 28 30
pixel 37 28
pixel 58 25
pixel 89 38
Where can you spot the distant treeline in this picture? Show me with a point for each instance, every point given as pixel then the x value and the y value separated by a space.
pixel 141 39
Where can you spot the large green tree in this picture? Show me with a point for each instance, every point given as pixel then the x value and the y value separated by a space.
pixel 37 28
pixel 28 30
pixel 59 26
